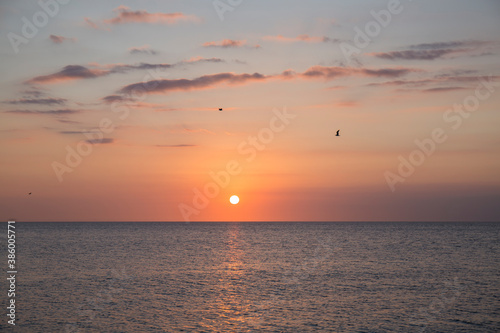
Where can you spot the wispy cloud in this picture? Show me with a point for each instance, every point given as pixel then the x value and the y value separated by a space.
pixel 176 146
pixel 212 80
pixel 202 82
pixel 334 72
pixel 145 49
pixel 414 54
pixel 442 89
pixel 450 45
pixel 229 43
pixel 198 59
pixel 123 15
pixel 45 112
pixel 60 39
pixel 301 38
pixel 70 72
pixel 100 141
pixel 95 70
pixel 39 101
pixel 432 51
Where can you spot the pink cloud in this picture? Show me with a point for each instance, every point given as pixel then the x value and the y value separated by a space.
pixel 300 38
pixel 124 15
pixel 228 43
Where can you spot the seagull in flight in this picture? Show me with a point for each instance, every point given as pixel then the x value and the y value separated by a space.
pixel 338 133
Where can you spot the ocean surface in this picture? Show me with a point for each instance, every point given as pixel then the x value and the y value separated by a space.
pixel 255 277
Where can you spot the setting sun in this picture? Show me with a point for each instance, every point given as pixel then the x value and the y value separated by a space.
pixel 234 199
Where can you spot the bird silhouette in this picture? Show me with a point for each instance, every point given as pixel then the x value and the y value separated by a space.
pixel 220 109
pixel 338 133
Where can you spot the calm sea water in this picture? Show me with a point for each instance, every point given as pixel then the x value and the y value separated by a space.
pixel 257 277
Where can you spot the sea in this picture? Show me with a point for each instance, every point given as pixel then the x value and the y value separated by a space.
pixel 254 277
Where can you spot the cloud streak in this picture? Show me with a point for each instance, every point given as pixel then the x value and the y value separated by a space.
pixel 209 81
pixel 202 82
pixel 176 146
pixel 123 15
pixel 100 141
pixel 229 43
pixel 60 39
pixel 301 38
pixel 432 51
pixel 38 101
pixel 46 112
pixel 142 50
pixel 78 72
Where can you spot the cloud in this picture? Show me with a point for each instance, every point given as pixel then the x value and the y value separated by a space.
pixel 142 50
pixel 70 72
pixel 41 101
pixel 229 43
pixel 212 80
pixel 449 45
pixel 67 121
pixel 115 98
pixel 333 72
pixel 100 141
pixel 176 146
pixel 301 38
pixel 72 132
pixel 202 82
pixel 46 112
pixel 438 80
pixel 95 70
pixel 91 24
pixel 194 60
pixel 432 51
pixel 123 15
pixel 414 54
pixel 60 39
pixel 443 89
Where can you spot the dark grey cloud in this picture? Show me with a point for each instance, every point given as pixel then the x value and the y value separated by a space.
pixel 74 72
pixel 100 141
pixel 41 101
pixel 68 73
pixel 414 54
pixel 443 89
pixel 449 45
pixel 46 112
pixel 176 146
pixel 142 50
pixel 432 51
pixel 202 82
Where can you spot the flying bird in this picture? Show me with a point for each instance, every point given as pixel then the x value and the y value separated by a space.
pixel 338 133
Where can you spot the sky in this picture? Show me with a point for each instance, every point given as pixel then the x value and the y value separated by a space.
pixel 110 110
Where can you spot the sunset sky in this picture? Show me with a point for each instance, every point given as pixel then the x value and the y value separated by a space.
pixel 110 110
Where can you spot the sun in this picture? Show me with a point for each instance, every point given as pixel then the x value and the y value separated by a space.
pixel 234 199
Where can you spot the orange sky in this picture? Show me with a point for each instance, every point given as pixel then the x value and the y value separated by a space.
pixel 132 90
